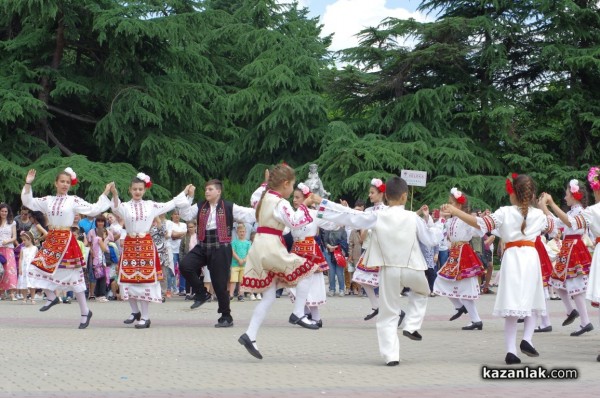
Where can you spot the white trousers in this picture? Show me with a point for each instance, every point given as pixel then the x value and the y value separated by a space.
pixel 391 282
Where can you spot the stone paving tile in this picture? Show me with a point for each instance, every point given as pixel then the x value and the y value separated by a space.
pixel 183 355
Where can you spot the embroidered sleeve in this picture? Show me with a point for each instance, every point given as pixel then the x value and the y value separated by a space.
pixel 578 221
pixel 292 219
pixel 244 214
pixel 256 195
pixel 34 204
pixel 342 215
pixel 493 221
pixel 88 209
pixel 550 226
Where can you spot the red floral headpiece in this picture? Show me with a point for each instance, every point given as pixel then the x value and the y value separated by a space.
pixel 377 183
pixel 509 184
pixel 574 188
pixel 304 189
pixel 70 172
pixel 145 178
pixel 458 195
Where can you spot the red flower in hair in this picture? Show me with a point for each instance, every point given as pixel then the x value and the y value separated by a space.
pixel 577 195
pixel 509 184
pixel 461 199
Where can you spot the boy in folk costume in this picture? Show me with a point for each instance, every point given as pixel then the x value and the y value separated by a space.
pixel 215 218
pixel 394 246
pixel 570 276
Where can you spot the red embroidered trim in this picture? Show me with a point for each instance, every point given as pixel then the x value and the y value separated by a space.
pixel 490 224
pixel 221 219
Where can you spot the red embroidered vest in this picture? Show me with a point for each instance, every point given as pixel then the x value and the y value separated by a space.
pixel 224 220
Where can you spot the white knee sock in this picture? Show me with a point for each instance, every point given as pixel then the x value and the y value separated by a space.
pixel 145 313
pixel 50 296
pixel 544 320
pixel 529 327
pixel 260 311
pixel 133 304
pixel 472 308
pixel 579 300
pixel 566 300
pixel 302 289
pixel 315 314
pixel 370 290
pixel 83 307
pixel 457 303
pixel 510 334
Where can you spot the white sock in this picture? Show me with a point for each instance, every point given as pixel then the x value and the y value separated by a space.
pixel 83 307
pixel 134 307
pixel 457 303
pixel 314 311
pixel 545 320
pixel 145 314
pixel 302 289
pixel 566 300
pixel 579 300
pixel 528 329
pixel 260 311
pixel 50 296
pixel 472 308
pixel 510 334
pixel 370 290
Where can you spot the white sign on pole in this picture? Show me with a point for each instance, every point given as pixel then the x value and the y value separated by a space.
pixel 414 177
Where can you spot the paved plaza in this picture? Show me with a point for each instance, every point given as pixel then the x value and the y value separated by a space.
pixel 183 355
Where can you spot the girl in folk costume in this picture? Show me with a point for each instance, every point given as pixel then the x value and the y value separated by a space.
pixel 139 265
pixel 306 246
pixel 269 263
pixel 458 277
pixel 28 253
pixel 520 289
pixel 592 216
pixel 59 262
pixel 570 275
pixel 368 277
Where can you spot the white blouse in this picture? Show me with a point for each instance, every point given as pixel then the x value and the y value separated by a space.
pixel 61 209
pixel 312 228
pixel 592 218
pixel 6 234
pixel 189 212
pixel 138 215
pixel 506 223
pixel 460 231
pixel 576 217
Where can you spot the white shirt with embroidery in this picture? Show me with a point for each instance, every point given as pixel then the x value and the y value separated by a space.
pixel 138 215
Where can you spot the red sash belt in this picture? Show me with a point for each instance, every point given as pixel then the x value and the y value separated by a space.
pixel 519 243
pixel 572 237
pixel 269 231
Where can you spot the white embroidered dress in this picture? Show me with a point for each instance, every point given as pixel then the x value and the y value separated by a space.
pixel 520 287
pixel 60 211
pixel 592 217
pixel 138 216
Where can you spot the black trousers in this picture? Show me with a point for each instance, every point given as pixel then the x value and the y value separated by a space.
pixel 218 261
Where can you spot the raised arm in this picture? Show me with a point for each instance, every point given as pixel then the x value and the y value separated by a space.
pixel 89 209
pixel 428 232
pixel 187 211
pixel 469 219
pixel 162 208
pixel 33 204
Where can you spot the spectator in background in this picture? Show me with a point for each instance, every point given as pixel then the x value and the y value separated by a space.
pixel 176 231
pixel 98 239
pixel 23 221
pixel 39 228
pixel 87 224
pixel 429 253
pixel 28 253
pixel 8 238
pixel 355 243
pixel 240 248
pixel 158 231
pixel 331 240
pixel 187 243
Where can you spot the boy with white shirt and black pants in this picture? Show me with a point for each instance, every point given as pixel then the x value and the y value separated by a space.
pixel 394 247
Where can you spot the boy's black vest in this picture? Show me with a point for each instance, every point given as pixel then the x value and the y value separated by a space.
pixel 224 220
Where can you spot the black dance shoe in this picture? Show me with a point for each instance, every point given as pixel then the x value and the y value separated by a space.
pixel 528 349
pixel 304 322
pixel 136 317
pixel 540 329
pixel 320 323
pixel 372 314
pixel 413 336
pixel 87 320
pixel 393 363
pixel 584 329
pixel 144 325
pixel 511 359
pixel 52 303
pixel 200 299
pixel 224 322
pixel 402 315
pixel 246 342
pixel 570 318
pixel 473 326
pixel 459 312
pixel 598 358
pixel 520 320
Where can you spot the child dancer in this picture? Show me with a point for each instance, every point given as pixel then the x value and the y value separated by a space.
pixel 269 262
pixel 28 253
pixel 306 246
pixel 592 216
pixel 394 246
pixel 546 268
pixel 520 289
pixel 458 277
pixel 570 276
pixel 139 266
pixel 59 262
